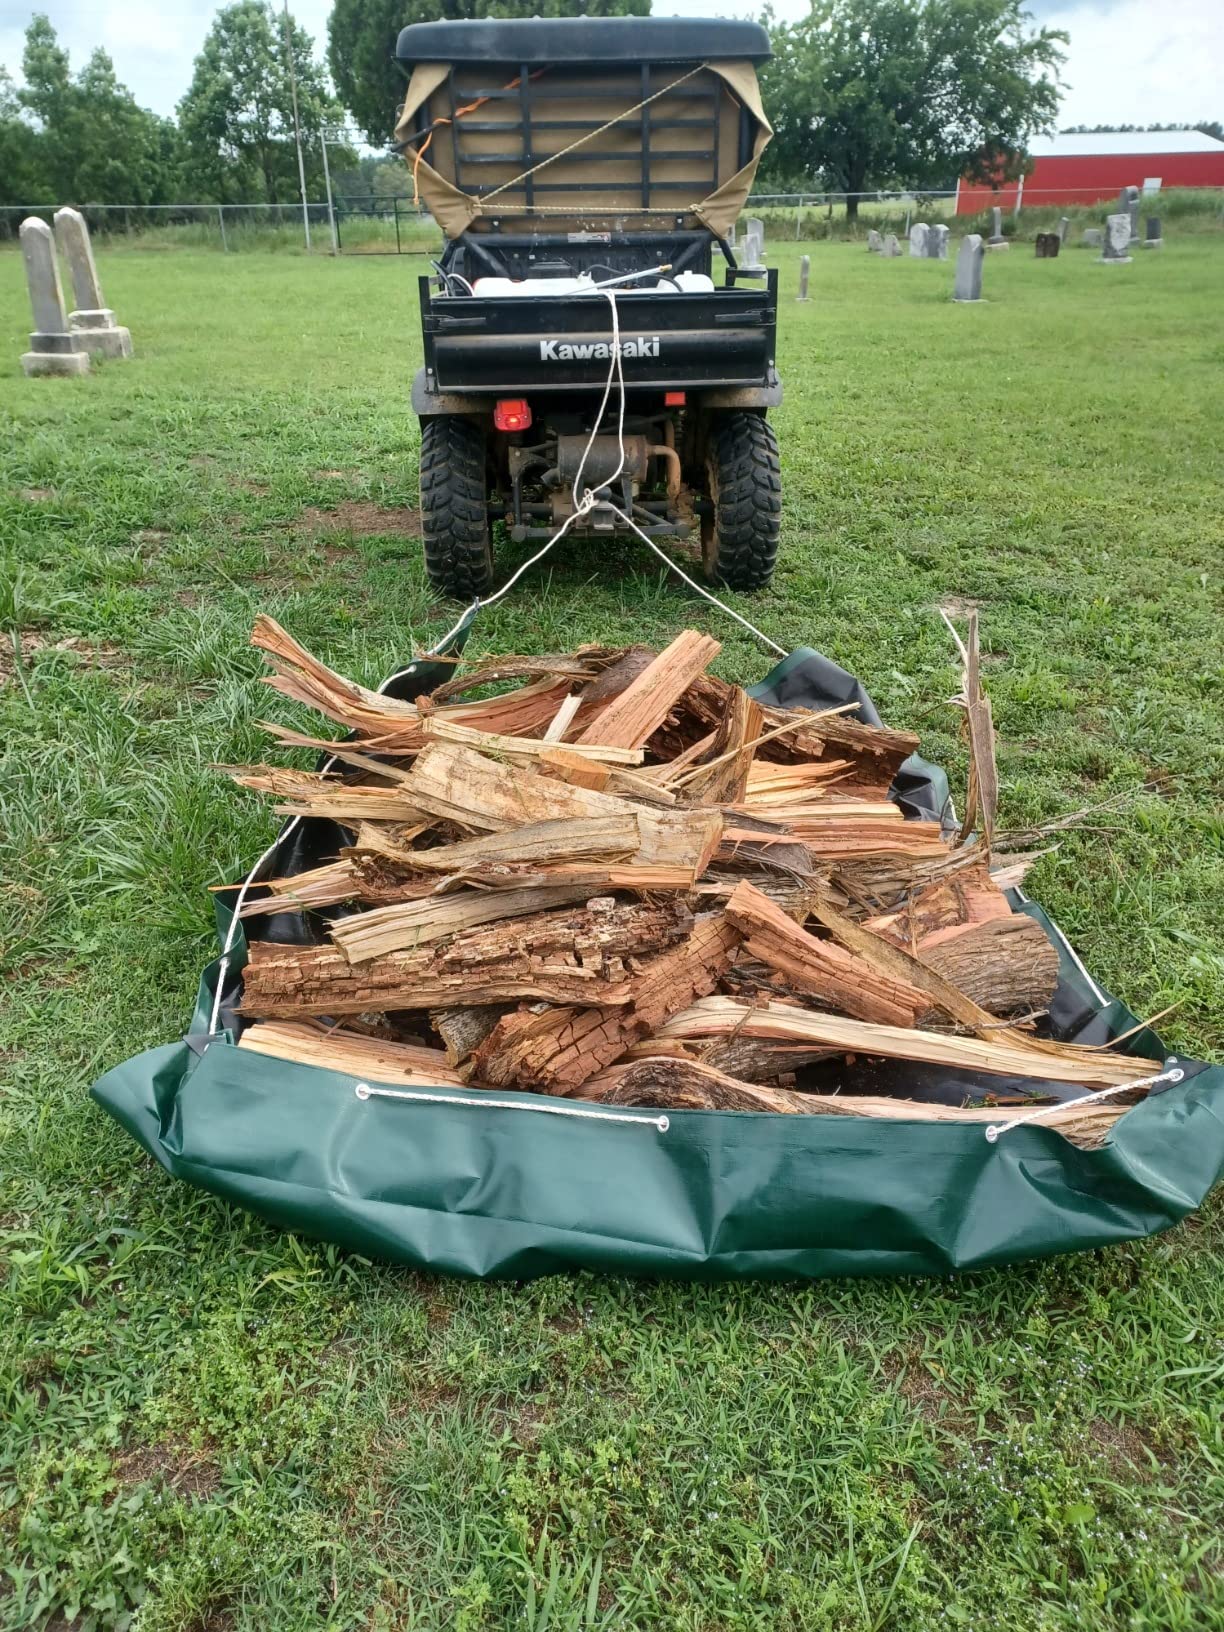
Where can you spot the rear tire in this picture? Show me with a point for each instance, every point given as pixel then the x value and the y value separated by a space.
pixel 739 543
pixel 454 512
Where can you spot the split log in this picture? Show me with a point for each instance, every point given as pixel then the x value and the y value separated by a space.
pixel 405 924
pixel 717 1016
pixel 334 1050
pixel 1007 965
pixel 630 719
pixel 610 837
pixel 579 667
pixel 311 793
pixel 436 727
pixel 463 1030
pixel 721 777
pixel 982 794
pixel 579 772
pixel 821 969
pixel 751 1059
pixel 578 956
pixel 671 1084
pixel 559 1049
pixel 457 784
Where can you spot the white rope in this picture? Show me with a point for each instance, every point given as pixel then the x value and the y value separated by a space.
pixel 996 1129
pixel 485 1102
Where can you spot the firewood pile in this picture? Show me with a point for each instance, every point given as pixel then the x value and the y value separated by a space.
pixel 618 878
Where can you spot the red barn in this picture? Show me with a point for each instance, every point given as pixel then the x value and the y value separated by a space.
pixel 1091 169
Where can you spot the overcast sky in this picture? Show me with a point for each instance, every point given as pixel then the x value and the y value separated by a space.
pixel 1130 61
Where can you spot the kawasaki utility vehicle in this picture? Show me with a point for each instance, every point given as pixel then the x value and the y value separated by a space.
pixel 565 158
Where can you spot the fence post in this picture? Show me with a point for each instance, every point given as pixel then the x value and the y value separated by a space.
pixel 221 224
pixel 798 217
pixel 395 204
pixel 331 212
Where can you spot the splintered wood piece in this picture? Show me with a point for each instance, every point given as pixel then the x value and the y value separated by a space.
pixel 670 1084
pixel 633 716
pixel 562 719
pixel 567 766
pixel 576 956
pixel 820 969
pixel 438 726
pixel 982 794
pixel 723 779
pixel 457 784
pixel 772 783
pixel 302 677
pixel 877 753
pixel 591 877
pixel 405 924
pixel 309 793
pixel 576 667
pixel 592 838
pixel 966 894
pixel 306 891
pixel 463 1030
pixel 559 1049
pixel 1005 964
pixel 716 1016
pixel 354 1055
pixel 598 693
pixel 752 1059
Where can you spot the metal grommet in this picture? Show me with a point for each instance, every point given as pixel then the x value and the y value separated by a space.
pixel 1176 1076
pixel 663 1124
pixel 992 1134
pixel 362 1090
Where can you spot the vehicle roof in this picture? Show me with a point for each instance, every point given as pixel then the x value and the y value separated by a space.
pixel 584 39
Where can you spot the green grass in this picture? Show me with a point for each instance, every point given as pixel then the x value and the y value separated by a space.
pixel 211 1425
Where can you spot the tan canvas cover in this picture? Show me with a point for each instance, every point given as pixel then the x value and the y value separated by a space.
pixel 591 150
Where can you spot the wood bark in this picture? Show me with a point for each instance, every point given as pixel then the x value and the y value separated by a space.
pixel 1005 964
pixel 577 956
pixel 560 1049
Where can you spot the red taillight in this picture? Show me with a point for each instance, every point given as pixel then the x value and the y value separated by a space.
pixel 673 399
pixel 512 414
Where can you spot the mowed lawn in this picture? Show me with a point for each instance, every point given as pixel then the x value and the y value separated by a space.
pixel 208 1424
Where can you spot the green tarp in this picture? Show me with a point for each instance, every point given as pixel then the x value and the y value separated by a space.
pixel 521 1185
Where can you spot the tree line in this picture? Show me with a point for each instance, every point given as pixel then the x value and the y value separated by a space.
pixel 864 95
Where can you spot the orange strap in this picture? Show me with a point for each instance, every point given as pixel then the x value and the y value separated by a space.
pixel 459 113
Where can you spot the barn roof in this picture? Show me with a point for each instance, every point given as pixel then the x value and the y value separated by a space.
pixel 1115 143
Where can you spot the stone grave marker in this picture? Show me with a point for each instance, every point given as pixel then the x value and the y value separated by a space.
pixel 92 321
pixel 969 258
pixel 1128 202
pixel 890 246
pixel 874 242
pixel 1048 246
pixel 1116 250
pixel 753 257
pixel 1064 227
pixel 1152 238
pixel 1093 238
pixel 937 242
pixel 996 239
pixel 54 349
pixel 756 225
pixel 918 240
pixel 805 268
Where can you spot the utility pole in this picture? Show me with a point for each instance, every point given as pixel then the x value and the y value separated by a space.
pixel 331 208
pixel 297 129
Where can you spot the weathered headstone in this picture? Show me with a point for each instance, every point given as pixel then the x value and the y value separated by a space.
pixel 54 349
pixel 805 268
pixel 937 242
pixel 890 246
pixel 93 321
pixel 1093 238
pixel 1128 203
pixel 1152 238
pixel 996 239
pixel 1048 246
pixel 756 225
pixel 752 260
pixel 874 242
pixel 1116 249
pixel 1064 226
pixel 969 260
pixel 918 240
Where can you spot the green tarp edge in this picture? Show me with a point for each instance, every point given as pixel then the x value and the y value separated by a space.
pixel 450 1183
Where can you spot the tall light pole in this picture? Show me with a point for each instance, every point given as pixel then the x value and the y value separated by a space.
pixel 297 129
pixel 331 208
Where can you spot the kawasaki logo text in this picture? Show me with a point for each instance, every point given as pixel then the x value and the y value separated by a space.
pixel 562 351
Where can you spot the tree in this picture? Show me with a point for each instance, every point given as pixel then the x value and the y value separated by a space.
pixel 21 174
pixel 361 36
pixel 91 142
pixel 237 116
pixel 886 93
